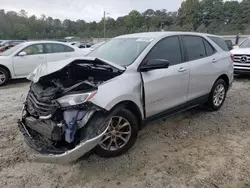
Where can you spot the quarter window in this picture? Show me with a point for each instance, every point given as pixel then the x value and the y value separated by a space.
pixel 209 49
pixel 195 47
pixel 68 49
pixel 168 49
pixel 220 42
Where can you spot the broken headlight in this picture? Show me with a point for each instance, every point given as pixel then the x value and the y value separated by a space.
pixel 75 99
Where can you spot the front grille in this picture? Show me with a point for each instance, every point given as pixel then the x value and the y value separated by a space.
pixel 38 107
pixel 241 58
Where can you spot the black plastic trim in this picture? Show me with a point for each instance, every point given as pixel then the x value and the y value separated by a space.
pixel 180 108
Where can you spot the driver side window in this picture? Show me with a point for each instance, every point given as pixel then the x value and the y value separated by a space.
pixel 34 49
pixel 167 49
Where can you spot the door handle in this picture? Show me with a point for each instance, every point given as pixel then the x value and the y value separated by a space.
pixel 214 61
pixel 182 69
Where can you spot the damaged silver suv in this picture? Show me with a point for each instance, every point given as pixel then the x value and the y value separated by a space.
pixel 100 102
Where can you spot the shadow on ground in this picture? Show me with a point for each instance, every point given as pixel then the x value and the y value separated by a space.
pixel 16 83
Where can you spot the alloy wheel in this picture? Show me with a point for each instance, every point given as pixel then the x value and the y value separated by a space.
pixel 118 134
pixel 2 77
pixel 219 95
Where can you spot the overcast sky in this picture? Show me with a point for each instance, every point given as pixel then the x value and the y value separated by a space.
pixel 89 10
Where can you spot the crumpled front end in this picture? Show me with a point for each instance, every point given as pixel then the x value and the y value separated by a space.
pixel 58 119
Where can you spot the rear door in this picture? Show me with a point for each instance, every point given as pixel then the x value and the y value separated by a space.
pixel 166 88
pixel 24 65
pixel 57 52
pixel 201 56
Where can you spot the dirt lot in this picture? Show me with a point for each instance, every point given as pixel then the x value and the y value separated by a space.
pixel 192 149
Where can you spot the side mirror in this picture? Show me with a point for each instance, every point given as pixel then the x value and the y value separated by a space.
pixel 22 54
pixel 154 64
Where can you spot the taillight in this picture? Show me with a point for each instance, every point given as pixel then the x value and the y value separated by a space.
pixel 232 57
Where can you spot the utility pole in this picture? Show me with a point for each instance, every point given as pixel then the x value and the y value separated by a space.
pixel 104 25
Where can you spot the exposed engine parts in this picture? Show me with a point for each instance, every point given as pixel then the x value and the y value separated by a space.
pixel 57 114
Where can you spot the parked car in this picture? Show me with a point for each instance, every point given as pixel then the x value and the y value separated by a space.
pixel 8 42
pixel 101 101
pixel 242 57
pixel 20 60
pixel 93 47
pixel 82 45
pixel 4 48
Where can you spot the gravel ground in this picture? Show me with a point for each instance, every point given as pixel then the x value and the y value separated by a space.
pixel 193 149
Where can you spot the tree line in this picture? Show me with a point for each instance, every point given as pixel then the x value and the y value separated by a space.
pixel 210 16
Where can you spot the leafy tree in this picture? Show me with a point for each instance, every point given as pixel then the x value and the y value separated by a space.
pixel 202 28
pixel 212 16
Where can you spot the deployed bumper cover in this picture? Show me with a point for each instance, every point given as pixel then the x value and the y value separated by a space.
pixel 60 158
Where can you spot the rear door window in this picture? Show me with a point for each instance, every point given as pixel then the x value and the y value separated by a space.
pixel 220 42
pixel 57 48
pixel 195 48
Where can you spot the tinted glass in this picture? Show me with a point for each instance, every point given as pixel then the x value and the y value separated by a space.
pixel 245 43
pixel 168 49
pixel 121 51
pixel 57 48
pixel 34 49
pixel 195 47
pixel 220 42
pixel 209 49
pixel 68 49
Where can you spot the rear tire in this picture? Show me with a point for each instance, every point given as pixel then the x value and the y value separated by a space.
pixel 121 136
pixel 217 95
pixel 4 76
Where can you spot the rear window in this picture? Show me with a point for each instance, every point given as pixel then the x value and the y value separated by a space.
pixel 220 42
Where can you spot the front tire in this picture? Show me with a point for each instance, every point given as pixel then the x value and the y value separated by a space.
pixel 217 95
pixel 4 76
pixel 121 135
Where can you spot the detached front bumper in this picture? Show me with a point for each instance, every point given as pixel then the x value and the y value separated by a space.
pixel 62 158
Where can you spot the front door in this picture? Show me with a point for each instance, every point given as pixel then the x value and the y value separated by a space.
pixel 24 65
pixel 166 88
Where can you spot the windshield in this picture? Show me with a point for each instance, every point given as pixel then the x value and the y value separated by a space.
pixel 12 50
pixel 245 44
pixel 121 51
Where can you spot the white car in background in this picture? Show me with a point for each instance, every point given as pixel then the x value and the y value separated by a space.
pixel 93 47
pixel 22 59
pixel 241 58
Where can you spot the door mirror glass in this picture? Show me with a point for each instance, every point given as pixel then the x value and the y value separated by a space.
pixel 22 54
pixel 154 64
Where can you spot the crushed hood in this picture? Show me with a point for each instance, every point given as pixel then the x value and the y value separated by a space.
pixel 245 51
pixel 51 67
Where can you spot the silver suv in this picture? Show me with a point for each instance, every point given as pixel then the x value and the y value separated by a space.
pixel 100 102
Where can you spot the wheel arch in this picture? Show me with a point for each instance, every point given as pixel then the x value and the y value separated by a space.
pixel 132 107
pixel 6 68
pixel 225 78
